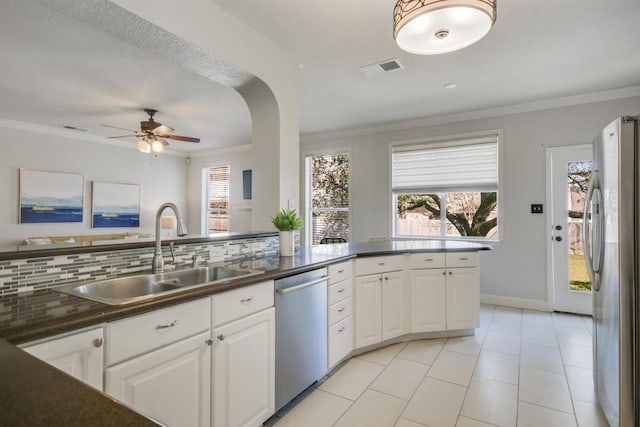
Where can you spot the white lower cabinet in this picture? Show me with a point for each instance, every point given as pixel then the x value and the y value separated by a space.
pixel 79 354
pixel 171 384
pixel 380 307
pixel 428 300
pixel 463 298
pixel 244 371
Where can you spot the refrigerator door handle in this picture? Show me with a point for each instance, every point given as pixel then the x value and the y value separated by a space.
pixel 593 241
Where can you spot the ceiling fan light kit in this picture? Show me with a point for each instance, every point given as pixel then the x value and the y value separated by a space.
pixel 153 134
pixel 428 27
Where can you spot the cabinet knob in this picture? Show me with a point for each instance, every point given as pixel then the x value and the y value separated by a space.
pixel 444 273
pixel 386 277
pixel 221 337
pixel 97 343
pixel 209 341
pixel 450 273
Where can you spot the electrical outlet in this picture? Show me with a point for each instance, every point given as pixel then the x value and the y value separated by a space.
pixel 536 208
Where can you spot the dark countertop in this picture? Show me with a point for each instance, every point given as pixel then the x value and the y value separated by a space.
pixel 34 393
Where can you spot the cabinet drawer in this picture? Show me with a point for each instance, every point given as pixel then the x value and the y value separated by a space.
pixel 427 260
pixel 373 265
pixel 462 259
pixel 340 272
pixel 129 337
pixel 340 341
pixel 339 311
pixel 241 302
pixel 339 291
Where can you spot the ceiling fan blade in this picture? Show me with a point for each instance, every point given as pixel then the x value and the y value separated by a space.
pixel 116 127
pixel 162 130
pixel 122 136
pixel 181 138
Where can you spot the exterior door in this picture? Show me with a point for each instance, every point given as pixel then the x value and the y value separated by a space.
pixel 569 170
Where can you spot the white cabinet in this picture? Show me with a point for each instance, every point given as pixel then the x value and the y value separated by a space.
pixel 428 300
pixel 463 298
pixel 159 363
pixel 380 300
pixel 244 371
pixel 171 384
pixel 78 354
pixel 445 292
pixel 340 324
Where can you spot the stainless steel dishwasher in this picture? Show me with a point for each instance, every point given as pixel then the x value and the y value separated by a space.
pixel 301 333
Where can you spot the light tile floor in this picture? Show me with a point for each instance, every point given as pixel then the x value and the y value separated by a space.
pixel 522 368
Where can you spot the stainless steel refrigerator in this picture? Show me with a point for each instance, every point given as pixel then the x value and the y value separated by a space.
pixel 612 260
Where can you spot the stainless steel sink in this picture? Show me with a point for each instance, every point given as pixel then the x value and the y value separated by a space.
pixel 125 290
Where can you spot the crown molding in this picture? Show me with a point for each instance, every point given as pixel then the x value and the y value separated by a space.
pixel 547 104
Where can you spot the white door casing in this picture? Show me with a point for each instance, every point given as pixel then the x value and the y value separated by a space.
pixel 560 234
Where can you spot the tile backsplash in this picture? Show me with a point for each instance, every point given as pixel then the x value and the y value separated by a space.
pixel 23 275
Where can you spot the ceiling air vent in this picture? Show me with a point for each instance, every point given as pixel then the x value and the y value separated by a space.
pixel 381 67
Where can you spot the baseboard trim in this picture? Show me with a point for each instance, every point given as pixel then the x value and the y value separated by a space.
pixel 527 303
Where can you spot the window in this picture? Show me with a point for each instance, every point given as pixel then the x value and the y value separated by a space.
pixel 327 197
pixel 217 199
pixel 446 189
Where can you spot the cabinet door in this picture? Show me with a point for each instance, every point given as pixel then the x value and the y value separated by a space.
pixel 428 300
pixel 463 298
pixel 171 384
pixel 244 371
pixel 393 305
pixel 79 355
pixel 368 310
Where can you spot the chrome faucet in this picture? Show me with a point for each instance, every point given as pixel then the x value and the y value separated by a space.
pixel 157 265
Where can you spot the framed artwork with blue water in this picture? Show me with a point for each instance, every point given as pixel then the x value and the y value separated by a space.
pixel 47 197
pixel 115 205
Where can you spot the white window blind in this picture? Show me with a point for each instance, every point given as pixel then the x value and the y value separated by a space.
pixel 219 187
pixel 455 165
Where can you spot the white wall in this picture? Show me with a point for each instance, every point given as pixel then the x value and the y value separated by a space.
pixel 161 179
pixel 240 210
pixel 517 266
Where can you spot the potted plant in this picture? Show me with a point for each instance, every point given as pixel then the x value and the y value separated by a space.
pixel 287 221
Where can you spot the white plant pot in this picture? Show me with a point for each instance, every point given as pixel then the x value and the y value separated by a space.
pixel 287 243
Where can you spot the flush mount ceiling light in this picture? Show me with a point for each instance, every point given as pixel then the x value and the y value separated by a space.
pixel 428 27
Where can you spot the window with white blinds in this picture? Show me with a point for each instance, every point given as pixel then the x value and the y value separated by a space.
pixel 218 199
pixel 464 164
pixel 447 189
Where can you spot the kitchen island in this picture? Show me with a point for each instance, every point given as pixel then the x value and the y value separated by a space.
pixel 33 315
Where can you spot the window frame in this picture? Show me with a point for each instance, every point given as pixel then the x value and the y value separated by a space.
pixel 306 180
pixel 206 210
pixel 444 141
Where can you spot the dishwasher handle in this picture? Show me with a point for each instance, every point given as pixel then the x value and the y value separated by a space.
pixel 283 291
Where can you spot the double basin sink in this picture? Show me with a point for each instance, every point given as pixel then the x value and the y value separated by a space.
pixel 125 290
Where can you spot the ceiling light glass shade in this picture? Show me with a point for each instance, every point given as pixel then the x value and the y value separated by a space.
pixel 144 146
pixel 157 146
pixel 428 27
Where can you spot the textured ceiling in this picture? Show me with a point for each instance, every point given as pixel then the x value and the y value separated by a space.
pixel 57 71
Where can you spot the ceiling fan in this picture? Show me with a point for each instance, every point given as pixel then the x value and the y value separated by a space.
pixel 154 134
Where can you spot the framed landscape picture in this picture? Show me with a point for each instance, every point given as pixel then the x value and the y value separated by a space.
pixel 115 205
pixel 50 197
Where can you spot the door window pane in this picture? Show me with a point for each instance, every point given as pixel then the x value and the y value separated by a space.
pixel 578 178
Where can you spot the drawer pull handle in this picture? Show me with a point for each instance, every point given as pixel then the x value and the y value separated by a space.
pixel 341 290
pixel 342 329
pixel 97 343
pixel 341 310
pixel 429 259
pixel 221 337
pixel 341 271
pixel 381 263
pixel 209 342
pixel 245 300
pixel 170 325
pixel 464 258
